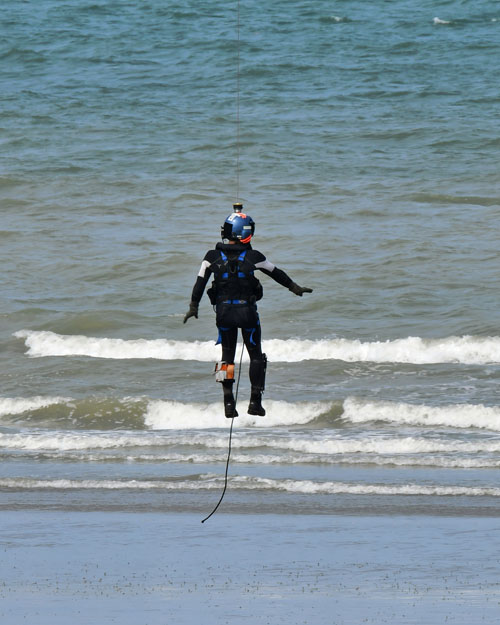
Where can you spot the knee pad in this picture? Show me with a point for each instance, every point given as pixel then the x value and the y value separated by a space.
pixel 224 372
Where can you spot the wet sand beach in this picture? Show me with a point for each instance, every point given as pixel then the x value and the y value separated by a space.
pixel 153 569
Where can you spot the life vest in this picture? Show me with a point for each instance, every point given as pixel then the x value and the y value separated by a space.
pixel 234 281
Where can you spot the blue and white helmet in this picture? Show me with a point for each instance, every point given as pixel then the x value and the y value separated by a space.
pixel 238 226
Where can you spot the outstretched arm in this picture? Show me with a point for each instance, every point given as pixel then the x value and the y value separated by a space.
pixel 198 289
pixel 281 277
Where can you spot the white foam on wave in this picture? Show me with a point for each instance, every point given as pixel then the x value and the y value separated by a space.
pixel 18 405
pixel 399 413
pixel 405 445
pixel 309 487
pixel 172 415
pixel 185 423
pixel 67 441
pixel 252 458
pixel 65 484
pixel 439 21
pixel 60 442
pixel 415 350
pixel 442 462
pixel 206 447
pixel 210 482
pixel 44 343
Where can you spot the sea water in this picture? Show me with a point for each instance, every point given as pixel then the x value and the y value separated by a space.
pixel 363 139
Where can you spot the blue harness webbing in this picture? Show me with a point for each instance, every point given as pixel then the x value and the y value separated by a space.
pixel 241 257
pixel 219 338
pixel 251 330
pixel 225 275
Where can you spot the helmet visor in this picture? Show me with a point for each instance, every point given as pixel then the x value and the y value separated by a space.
pixel 227 231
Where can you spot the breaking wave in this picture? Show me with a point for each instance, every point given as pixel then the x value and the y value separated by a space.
pixel 398 413
pixel 18 405
pixel 245 483
pixel 168 415
pixel 65 412
pixel 403 452
pixel 303 446
pixel 475 350
pixel 355 432
pixel 157 415
pixel 142 413
pixel 444 461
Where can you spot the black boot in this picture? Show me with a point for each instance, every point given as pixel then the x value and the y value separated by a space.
pixel 229 402
pixel 258 368
pixel 230 407
pixel 255 406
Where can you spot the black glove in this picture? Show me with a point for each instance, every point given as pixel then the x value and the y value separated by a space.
pixel 192 312
pixel 299 290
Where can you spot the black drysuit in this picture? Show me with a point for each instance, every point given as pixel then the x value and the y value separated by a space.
pixel 234 293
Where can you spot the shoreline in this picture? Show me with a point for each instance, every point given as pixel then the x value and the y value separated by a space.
pixel 247 504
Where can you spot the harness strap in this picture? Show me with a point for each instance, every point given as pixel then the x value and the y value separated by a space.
pixel 219 338
pixel 252 332
pixel 241 258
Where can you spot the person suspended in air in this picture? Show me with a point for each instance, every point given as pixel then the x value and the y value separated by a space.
pixel 234 293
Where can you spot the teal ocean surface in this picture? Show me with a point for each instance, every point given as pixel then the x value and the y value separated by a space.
pixel 368 157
